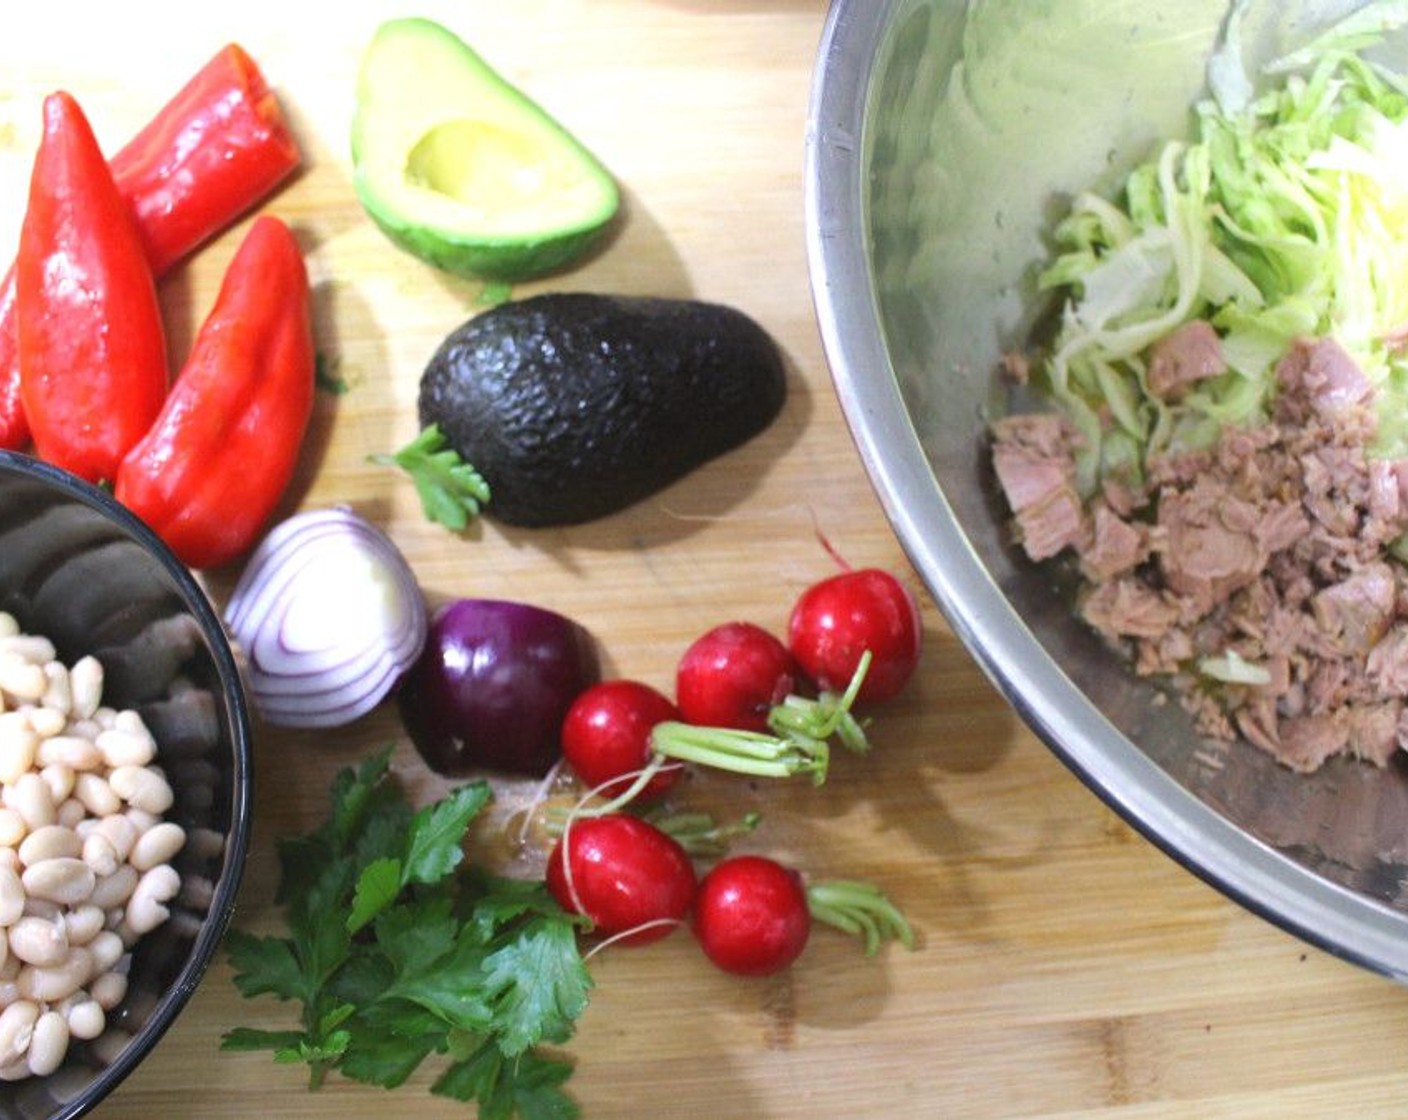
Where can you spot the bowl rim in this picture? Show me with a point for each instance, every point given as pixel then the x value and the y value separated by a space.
pixel 1327 915
pixel 222 903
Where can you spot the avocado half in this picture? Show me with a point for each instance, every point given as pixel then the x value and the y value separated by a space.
pixel 460 168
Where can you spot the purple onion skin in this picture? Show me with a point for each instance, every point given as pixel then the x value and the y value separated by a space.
pixel 492 686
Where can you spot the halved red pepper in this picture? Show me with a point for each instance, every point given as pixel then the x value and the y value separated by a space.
pixel 92 350
pixel 212 152
pixel 210 472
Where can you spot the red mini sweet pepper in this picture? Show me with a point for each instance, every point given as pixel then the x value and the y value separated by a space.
pixel 92 349
pixel 210 472
pixel 214 150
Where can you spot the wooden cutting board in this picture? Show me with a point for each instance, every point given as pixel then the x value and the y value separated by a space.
pixel 1065 967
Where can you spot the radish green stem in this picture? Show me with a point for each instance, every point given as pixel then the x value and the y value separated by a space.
pixel 827 715
pixel 699 834
pixel 861 910
pixel 798 745
pixel 743 752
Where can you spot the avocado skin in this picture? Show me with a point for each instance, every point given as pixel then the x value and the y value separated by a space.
pixel 505 260
pixel 576 405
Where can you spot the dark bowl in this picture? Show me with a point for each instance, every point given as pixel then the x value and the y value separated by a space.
pixel 942 141
pixel 79 569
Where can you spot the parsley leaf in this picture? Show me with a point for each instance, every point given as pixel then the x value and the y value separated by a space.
pixel 399 951
pixel 438 831
pixel 451 491
pixel 532 986
pixel 529 1086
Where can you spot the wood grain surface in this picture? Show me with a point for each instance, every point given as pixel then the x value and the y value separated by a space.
pixel 1065 966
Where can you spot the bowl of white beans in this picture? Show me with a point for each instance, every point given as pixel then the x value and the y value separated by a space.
pixel 124 790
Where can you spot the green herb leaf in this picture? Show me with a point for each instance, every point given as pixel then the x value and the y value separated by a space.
pixel 399 951
pixel 529 1086
pixel 537 986
pixel 377 888
pixel 438 831
pixel 452 492
pixel 266 966
pixel 386 1058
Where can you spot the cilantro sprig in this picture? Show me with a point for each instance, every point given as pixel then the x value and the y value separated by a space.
pixel 397 950
pixel 452 493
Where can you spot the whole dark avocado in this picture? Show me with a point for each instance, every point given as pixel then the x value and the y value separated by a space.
pixel 576 405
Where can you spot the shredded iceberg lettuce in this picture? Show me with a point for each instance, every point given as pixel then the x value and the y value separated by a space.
pixel 1285 216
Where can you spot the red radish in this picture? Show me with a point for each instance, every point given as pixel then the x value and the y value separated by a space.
pixel 606 736
pixel 732 677
pixel 628 877
pixel 835 621
pixel 751 916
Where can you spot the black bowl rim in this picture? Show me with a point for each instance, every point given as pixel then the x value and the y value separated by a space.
pixel 222 905
pixel 1333 918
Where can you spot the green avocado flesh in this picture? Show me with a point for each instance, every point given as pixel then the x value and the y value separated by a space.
pixel 460 168
pixel 574 405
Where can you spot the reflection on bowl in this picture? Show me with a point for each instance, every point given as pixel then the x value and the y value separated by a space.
pixel 79 570
pixel 938 155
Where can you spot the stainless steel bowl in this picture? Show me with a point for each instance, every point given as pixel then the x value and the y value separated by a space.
pixel 942 139
pixel 79 569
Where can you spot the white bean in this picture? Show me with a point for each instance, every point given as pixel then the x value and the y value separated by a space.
pixel 48 1044
pixel 84 728
pixel 47 719
pixel 82 924
pixel 21 678
pixel 74 751
pixel 140 819
pixel 59 779
pixel 39 941
pixel 96 795
pixel 36 907
pixel 58 697
pixel 121 832
pixel 11 896
pixel 123 747
pixel 33 648
pixel 12 827
pixel 108 990
pixel 29 796
pixel 100 855
pixel 146 909
pixel 70 813
pixel 159 844
pixel 66 880
pixel 85 680
pixel 19 743
pixel 85 854
pixel 49 842
pixel 51 984
pixel 17 1028
pixel 114 890
pixel 141 787
pixel 86 1019
pixel 107 949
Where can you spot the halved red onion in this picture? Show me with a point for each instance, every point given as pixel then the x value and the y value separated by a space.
pixel 330 617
